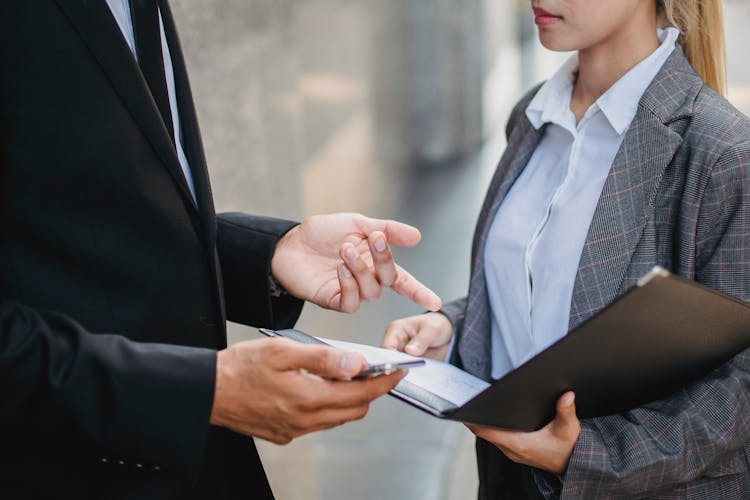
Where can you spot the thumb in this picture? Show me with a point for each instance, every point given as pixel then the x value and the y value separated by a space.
pixel 423 340
pixel 566 410
pixel 397 233
pixel 324 361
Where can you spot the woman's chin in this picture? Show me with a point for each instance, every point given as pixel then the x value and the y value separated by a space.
pixel 556 43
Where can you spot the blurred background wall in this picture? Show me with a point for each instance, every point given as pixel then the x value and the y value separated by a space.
pixel 394 108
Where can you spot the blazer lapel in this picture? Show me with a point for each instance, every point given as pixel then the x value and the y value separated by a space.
pixel 97 27
pixel 627 199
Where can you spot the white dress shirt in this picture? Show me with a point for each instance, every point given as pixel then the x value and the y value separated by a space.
pixel 121 11
pixel 537 236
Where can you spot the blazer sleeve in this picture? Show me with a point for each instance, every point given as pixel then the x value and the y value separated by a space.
pixel 103 395
pixel 455 312
pixel 699 431
pixel 245 245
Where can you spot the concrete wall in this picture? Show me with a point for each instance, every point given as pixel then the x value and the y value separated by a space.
pixel 312 106
pixel 321 105
pixel 277 80
pixel 427 79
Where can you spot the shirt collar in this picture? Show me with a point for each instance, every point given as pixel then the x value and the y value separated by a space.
pixel 552 101
pixel 619 104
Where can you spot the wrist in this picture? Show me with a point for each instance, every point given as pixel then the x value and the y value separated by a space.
pixel 218 408
pixel 277 264
pixel 442 324
pixel 441 321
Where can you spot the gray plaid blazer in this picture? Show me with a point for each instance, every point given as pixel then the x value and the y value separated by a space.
pixel 678 196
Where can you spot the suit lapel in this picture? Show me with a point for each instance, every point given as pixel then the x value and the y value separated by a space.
pixel 193 146
pixel 97 27
pixel 191 136
pixel 628 196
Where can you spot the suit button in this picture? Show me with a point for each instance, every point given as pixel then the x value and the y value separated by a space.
pixel 156 467
pixel 139 466
pixel 121 462
pixel 104 460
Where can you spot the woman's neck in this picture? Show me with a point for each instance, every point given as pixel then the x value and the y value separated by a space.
pixel 602 64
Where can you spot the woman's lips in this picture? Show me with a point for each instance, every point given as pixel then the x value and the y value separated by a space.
pixel 544 18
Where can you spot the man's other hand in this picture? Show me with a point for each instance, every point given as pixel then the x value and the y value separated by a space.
pixel 277 390
pixel 337 261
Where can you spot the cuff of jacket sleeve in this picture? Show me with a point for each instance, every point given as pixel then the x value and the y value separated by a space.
pixel 246 246
pixel 165 399
pixel 455 312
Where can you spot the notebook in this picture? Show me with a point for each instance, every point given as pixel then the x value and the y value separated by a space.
pixel 663 334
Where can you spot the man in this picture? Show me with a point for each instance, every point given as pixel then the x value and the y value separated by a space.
pixel 117 277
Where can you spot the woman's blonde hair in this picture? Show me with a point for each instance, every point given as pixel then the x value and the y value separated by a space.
pixel 701 26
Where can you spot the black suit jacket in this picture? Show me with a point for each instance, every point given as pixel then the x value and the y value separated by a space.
pixel 114 286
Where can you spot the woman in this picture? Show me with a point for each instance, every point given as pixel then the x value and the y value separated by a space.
pixel 627 158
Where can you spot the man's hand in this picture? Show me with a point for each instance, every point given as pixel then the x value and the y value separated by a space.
pixel 549 448
pixel 339 260
pixel 277 390
pixel 426 335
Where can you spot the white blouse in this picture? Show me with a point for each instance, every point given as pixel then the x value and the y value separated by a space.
pixel 536 238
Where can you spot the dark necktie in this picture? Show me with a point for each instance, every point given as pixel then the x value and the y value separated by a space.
pixel 145 14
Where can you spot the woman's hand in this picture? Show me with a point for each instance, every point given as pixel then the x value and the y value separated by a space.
pixel 549 448
pixel 426 335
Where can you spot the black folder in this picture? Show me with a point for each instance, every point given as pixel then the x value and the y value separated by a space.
pixel 661 335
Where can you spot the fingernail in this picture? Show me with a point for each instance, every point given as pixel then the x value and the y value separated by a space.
pixel 413 346
pixel 437 301
pixel 380 245
pixel 345 272
pixel 350 363
pixel 569 399
pixel 350 254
